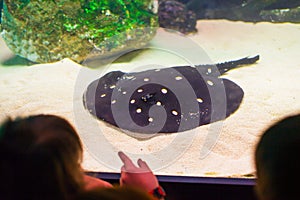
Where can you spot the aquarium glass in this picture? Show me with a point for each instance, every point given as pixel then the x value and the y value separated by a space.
pixel 187 85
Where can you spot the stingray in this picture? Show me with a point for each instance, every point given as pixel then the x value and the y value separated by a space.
pixel 167 100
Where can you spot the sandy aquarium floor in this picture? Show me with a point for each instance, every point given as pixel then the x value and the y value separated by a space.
pixel 223 149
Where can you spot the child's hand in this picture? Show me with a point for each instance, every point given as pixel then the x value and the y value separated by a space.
pixel 137 176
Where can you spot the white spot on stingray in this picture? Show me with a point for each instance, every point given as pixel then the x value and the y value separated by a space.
pixel 112 86
pixel 146 79
pixel 209 70
pixel 128 77
pixel 174 112
pixel 132 101
pixel 164 90
pixel 177 78
pixel 113 101
pixel 194 115
pixel 139 110
pixel 210 83
pixel 103 95
pixel 140 90
pixel 158 103
pixel 150 119
pixel 200 100
pixel 124 92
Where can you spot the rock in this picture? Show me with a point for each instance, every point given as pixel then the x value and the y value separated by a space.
pixel 282 15
pixel 175 16
pixel 48 31
pixel 241 10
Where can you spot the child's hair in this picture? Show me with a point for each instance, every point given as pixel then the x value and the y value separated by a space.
pixel 40 158
pixel 277 160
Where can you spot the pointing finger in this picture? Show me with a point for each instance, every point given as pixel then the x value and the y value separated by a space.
pixel 128 164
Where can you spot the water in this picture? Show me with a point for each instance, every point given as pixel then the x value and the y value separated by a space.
pixel 225 148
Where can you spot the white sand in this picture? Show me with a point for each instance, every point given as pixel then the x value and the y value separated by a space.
pixel 272 91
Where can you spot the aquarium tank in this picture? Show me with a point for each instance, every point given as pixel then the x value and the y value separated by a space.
pixel 187 85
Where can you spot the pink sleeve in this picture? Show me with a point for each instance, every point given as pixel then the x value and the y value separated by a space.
pixel 92 183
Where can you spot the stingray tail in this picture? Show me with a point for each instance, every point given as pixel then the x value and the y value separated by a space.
pixel 226 66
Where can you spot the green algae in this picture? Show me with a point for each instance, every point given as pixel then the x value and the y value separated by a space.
pixel 46 31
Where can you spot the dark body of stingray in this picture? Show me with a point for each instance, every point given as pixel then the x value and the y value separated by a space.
pixel 165 100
